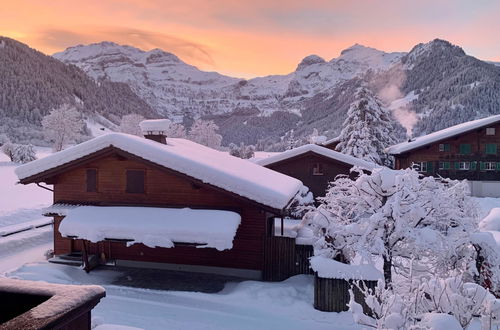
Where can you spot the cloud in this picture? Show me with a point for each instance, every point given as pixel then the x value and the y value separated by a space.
pixel 189 51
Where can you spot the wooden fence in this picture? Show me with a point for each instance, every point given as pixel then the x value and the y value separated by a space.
pixel 332 295
pixel 283 258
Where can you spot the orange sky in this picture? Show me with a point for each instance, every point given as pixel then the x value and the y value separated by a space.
pixel 252 38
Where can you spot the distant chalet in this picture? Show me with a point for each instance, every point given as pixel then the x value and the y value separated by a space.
pixel 465 151
pixel 170 204
pixel 316 166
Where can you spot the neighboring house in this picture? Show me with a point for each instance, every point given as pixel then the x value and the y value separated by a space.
pixel 466 151
pixel 170 204
pixel 314 165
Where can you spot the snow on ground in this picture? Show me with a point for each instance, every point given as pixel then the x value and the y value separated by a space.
pixel 19 202
pixel 490 215
pixel 245 305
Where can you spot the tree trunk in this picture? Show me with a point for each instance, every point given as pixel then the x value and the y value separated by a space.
pixel 388 271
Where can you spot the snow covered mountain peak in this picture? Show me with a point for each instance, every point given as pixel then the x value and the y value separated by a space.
pixel 436 47
pixel 369 57
pixel 309 60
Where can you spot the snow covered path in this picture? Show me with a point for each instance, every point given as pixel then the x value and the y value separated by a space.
pixel 245 305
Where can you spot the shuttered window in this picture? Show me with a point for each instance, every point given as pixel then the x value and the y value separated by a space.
pixel 444 147
pixel 444 165
pixel 135 181
pixel 91 180
pixel 465 149
pixel 491 149
pixel 317 169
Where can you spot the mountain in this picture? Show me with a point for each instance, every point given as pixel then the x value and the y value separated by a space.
pixel 246 110
pixel 32 84
pixel 442 86
pixel 434 85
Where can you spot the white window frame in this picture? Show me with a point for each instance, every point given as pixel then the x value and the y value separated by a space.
pixel 464 166
pixel 441 147
pixel 490 131
pixel 317 169
pixel 422 167
pixel 490 166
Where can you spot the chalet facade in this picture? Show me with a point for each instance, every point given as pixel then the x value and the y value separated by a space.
pixel 467 151
pixel 136 202
pixel 314 165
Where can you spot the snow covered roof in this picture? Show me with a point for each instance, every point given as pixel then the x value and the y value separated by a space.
pixel 154 125
pixel 320 151
pixel 329 268
pixel 152 226
pixel 442 134
pixel 210 166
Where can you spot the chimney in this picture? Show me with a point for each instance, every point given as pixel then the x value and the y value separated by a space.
pixel 155 129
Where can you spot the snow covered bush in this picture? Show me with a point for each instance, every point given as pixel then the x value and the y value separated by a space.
pixel 367 130
pixel 205 132
pixel 241 151
pixel 19 153
pixel 130 124
pixel 176 131
pixel 63 125
pixel 419 303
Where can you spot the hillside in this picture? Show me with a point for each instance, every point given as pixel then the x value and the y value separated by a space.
pixel 32 84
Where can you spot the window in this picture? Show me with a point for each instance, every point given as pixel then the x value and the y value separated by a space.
pixel 91 180
pixel 318 169
pixel 490 131
pixel 491 148
pixel 135 181
pixel 444 165
pixel 464 166
pixel 488 166
pixel 422 166
pixel 444 147
pixel 465 149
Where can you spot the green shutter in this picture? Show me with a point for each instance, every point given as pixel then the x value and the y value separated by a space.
pixel 447 147
pixel 491 149
pixel 498 167
pixel 457 165
pixel 473 165
pixel 446 165
pixel 429 167
pixel 481 166
pixel 465 149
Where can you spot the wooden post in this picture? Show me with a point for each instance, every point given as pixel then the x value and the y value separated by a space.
pixel 282 230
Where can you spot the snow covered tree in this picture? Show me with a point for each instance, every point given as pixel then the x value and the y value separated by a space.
pixel 399 216
pixel 130 124
pixel 315 138
pixel 367 130
pixel 176 131
pixel 205 132
pixel 19 153
pixel 62 125
pixel 4 139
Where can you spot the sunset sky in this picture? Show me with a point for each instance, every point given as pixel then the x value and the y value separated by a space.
pixel 254 37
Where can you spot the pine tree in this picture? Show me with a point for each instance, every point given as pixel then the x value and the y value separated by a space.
pixel 367 130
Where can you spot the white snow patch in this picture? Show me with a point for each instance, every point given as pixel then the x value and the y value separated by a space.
pixel 439 321
pixel 294 228
pixel 154 126
pixel 208 165
pixel 154 227
pixel 329 268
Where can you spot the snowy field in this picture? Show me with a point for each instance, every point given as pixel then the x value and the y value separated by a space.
pixel 245 305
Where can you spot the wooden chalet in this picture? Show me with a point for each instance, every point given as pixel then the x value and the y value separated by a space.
pixel 465 151
pixel 167 203
pixel 314 165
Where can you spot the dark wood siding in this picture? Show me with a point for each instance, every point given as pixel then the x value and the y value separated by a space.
pixel 162 189
pixel 91 180
pixel 433 155
pixel 302 167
